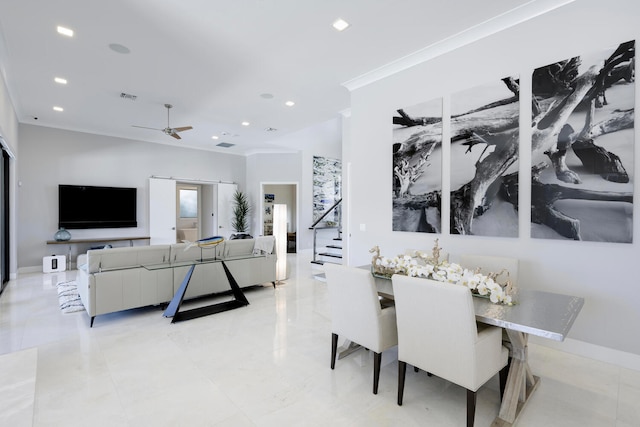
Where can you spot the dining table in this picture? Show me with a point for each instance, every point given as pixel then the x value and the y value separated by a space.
pixel 534 312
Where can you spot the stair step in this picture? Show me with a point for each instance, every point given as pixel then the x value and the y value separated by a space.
pixel 320 262
pixel 334 246
pixel 329 254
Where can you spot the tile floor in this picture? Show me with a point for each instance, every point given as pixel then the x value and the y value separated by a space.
pixel 263 365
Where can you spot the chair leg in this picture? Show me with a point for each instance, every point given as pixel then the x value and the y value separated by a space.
pixel 377 361
pixel 402 370
pixel 334 349
pixel 471 407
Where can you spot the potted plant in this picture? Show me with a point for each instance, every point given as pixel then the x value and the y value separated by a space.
pixel 240 219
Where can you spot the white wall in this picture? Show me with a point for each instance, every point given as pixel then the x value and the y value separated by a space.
pixel 323 139
pixel 49 157
pixel 603 273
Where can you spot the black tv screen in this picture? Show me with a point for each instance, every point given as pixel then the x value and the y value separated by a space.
pixel 83 206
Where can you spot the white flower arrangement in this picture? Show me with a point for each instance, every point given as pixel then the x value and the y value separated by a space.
pixel 429 266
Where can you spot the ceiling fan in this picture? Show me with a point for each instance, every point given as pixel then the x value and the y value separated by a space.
pixel 168 130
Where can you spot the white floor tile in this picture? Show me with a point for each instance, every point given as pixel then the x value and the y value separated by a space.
pixel 262 365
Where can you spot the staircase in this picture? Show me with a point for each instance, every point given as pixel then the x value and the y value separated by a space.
pixel 330 252
pixel 327 238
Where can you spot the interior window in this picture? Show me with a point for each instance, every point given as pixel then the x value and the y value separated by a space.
pixel 188 203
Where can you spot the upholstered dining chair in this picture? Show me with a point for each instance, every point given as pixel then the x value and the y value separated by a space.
pixel 356 314
pixel 494 264
pixel 437 333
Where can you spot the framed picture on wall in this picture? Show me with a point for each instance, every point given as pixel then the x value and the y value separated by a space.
pixel 417 167
pixel 582 143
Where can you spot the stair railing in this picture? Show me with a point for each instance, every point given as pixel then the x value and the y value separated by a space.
pixel 315 227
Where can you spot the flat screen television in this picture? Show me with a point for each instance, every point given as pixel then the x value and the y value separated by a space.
pixel 84 206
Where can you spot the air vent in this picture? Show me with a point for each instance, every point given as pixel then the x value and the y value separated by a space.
pixel 225 145
pixel 128 96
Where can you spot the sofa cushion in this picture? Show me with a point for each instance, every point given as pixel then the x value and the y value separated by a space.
pixel 182 252
pixel 233 248
pixel 126 257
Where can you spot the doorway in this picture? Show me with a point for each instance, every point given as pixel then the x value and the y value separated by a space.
pixel 273 193
pixel 188 212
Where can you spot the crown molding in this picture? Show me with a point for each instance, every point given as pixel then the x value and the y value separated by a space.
pixel 506 20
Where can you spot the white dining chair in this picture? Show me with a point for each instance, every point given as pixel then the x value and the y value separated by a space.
pixel 491 264
pixel 437 333
pixel 494 264
pixel 356 314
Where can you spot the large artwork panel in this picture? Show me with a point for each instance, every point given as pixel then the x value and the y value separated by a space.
pixel 582 147
pixel 417 168
pixel 327 187
pixel 484 159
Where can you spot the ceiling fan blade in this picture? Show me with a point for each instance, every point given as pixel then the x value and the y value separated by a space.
pixel 144 127
pixel 182 128
pixel 175 135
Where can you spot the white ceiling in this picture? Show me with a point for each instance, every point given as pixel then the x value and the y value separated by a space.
pixel 213 59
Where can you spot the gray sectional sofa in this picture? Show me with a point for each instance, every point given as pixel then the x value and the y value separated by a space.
pixel 115 279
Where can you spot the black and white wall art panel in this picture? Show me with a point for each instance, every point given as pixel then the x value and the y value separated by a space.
pixel 484 159
pixel 582 147
pixel 327 188
pixel 417 167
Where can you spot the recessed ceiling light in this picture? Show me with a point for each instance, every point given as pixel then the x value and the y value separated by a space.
pixel 289 103
pixel 65 31
pixel 340 24
pixel 60 80
pixel 56 108
pixel 245 123
pixel 215 137
pixel 119 48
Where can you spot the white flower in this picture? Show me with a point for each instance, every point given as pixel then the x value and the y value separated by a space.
pixel 455 268
pixel 440 275
pixel 496 295
pixel 482 288
pixel 453 277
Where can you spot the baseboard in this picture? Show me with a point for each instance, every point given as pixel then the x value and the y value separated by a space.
pixel 592 351
pixel 38 269
pixel 33 269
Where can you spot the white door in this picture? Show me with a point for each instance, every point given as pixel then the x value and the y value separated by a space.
pixel 162 211
pixel 209 220
pixel 224 203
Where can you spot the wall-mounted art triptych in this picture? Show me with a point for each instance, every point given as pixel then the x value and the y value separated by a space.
pixel 582 154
